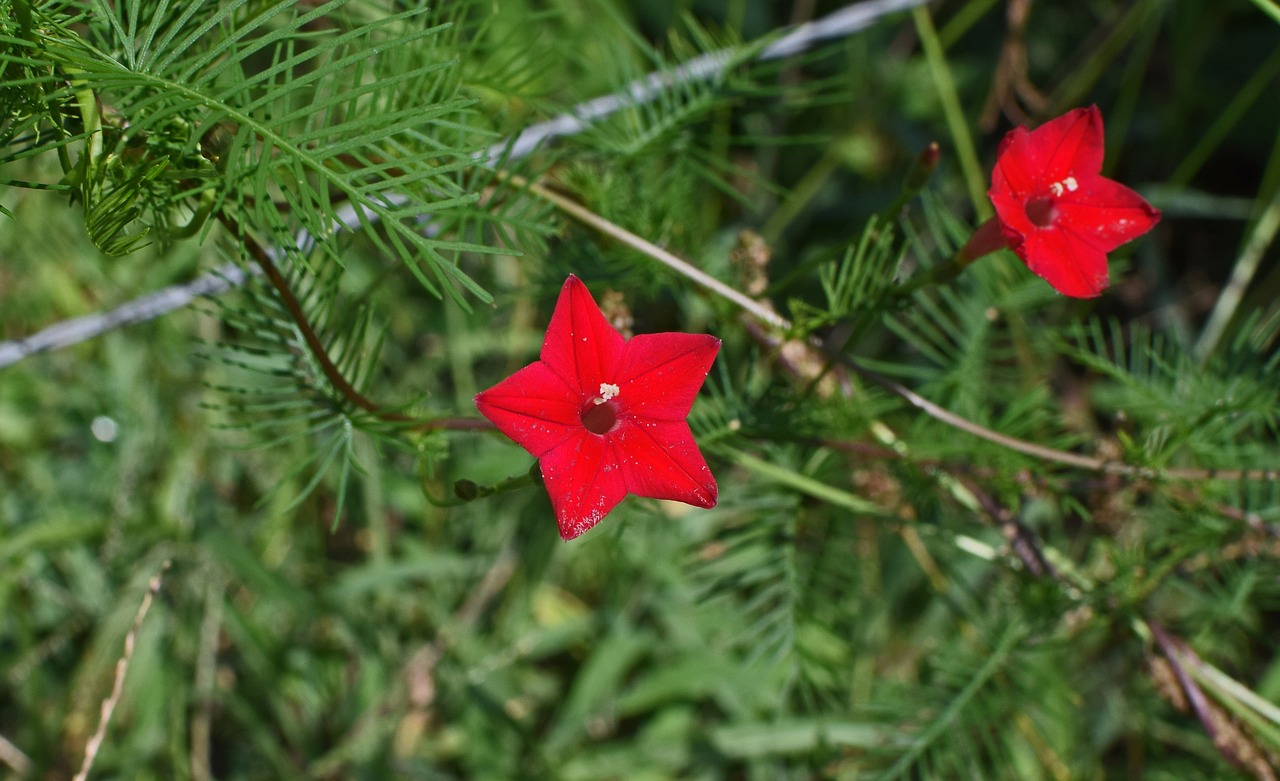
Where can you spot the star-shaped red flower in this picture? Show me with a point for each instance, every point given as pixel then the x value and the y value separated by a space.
pixel 1056 210
pixel 605 416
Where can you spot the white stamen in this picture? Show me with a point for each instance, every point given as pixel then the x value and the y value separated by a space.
pixel 607 391
pixel 1069 185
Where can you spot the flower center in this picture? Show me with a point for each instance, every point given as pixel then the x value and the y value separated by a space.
pixel 601 414
pixel 1040 211
pixel 599 418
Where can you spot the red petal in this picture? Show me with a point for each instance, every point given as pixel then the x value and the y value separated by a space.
pixel 534 407
pixel 1013 175
pixel 660 460
pixel 584 481
pixel 580 345
pixel 660 374
pixel 1065 260
pixel 1074 144
pixel 1011 211
pixel 1105 213
pixel 1071 145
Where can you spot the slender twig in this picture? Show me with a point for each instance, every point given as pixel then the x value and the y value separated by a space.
pixel 1252 520
pixel 584 215
pixel 1022 540
pixel 117 687
pixel 14 757
pixel 1224 735
pixel 1090 463
pixel 318 351
pixel 290 302
pixel 771 318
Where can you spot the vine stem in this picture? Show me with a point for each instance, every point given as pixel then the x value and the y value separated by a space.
pixel 769 317
pixel 321 355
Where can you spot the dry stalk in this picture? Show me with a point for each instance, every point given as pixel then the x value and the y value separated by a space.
pixel 13 756
pixel 117 687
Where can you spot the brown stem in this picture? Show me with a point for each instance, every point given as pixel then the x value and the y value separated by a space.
pixel 966 472
pixel 451 424
pixel 1231 743
pixel 331 372
pixel 1091 463
pixel 1022 540
pixel 309 336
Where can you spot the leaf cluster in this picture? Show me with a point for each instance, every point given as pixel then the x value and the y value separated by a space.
pixel 883 591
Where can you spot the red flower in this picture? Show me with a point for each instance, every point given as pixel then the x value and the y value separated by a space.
pixel 604 415
pixel 1056 210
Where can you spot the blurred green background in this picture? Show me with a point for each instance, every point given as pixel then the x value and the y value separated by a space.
pixel 781 635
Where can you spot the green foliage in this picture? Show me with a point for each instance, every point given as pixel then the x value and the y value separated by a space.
pixel 1171 399
pixel 266 111
pixel 966 529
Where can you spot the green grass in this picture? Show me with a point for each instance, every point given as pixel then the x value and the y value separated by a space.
pixel 878 594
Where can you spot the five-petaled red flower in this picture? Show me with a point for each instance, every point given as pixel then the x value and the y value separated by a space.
pixel 1056 210
pixel 605 416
